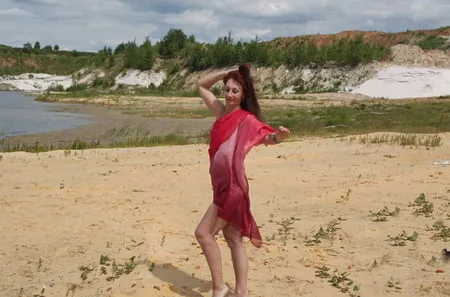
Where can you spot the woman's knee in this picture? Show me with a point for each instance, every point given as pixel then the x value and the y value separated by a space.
pixel 201 234
pixel 202 231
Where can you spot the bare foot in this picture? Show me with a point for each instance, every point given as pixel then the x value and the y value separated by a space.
pixel 221 293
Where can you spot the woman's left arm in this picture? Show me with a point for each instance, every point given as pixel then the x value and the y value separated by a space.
pixel 277 137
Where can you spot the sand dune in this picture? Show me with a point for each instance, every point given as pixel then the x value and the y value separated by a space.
pixel 63 210
pixel 397 82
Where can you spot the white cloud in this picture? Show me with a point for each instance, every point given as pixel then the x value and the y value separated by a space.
pixel 250 34
pixel 266 8
pixel 14 12
pixel 201 19
pixel 92 24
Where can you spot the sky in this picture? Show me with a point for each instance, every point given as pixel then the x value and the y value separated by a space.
pixel 89 25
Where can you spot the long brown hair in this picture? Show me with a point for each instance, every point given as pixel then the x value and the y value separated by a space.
pixel 249 101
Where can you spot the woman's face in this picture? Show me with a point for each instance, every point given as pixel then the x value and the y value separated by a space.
pixel 233 93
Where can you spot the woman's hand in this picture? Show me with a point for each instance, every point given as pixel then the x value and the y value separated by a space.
pixel 281 134
pixel 278 136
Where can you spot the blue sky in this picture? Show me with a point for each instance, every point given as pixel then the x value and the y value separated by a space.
pixel 91 24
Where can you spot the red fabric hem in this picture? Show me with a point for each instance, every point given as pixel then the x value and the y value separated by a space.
pixel 257 242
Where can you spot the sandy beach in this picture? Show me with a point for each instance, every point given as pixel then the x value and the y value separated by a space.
pixel 70 219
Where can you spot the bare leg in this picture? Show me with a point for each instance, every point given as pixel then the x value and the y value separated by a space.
pixel 205 232
pixel 240 259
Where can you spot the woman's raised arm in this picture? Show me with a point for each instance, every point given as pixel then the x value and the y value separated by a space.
pixel 204 85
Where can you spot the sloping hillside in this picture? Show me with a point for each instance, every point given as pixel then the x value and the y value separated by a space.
pixel 411 37
pixel 424 48
pixel 14 61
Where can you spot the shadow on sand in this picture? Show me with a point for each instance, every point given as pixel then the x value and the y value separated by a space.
pixel 182 282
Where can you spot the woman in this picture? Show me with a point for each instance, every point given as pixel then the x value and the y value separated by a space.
pixel 236 130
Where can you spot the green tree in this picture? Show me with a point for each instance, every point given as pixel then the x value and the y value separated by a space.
pixel 224 51
pixel 27 48
pixel 172 43
pixel 297 55
pixel 312 52
pixel 131 55
pixel 276 56
pixel 120 48
pixel 148 55
pixel 37 46
pixel 103 55
pixel 198 56
pixel 107 50
pixel 56 47
pixel 342 52
pixel 47 49
pixel 257 52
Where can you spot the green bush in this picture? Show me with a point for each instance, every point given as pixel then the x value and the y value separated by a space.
pixel 432 42
pixel 57 88
pixel 77 88
pixel 103 83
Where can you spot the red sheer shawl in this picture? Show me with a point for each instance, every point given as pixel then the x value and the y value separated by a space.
pixel 234 135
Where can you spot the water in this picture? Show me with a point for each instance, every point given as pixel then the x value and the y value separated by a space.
pixel 21 114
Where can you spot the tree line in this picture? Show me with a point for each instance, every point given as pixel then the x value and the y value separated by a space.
pixel 37 49
pixel 28 48
pixel 195 56
pixel 226 51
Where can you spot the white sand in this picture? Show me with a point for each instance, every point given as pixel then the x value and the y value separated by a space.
pixel 36 81
pixel 392 82
pixel 42 81
pixel 141 78
pixel 397 82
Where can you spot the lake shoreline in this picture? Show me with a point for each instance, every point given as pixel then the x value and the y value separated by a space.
pixel 106 120
pixel 119 118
